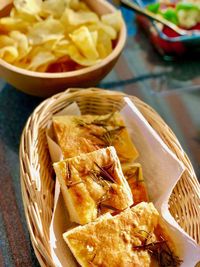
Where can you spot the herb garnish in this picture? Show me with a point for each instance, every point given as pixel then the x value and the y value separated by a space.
pixel 160 251
pixel 104 177
pixel 100 202
pixel 69 174
pixel 91 264
pixel 101 205
pixel 98 122
pixel 69 185
pixel 109 136
pixel 91 261
pixel 102 122
pixel 105 174
pixel 96 177
pixel 69 182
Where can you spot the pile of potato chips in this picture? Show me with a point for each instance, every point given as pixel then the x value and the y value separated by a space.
pixel 56 35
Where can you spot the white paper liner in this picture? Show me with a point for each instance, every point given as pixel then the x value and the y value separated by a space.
pixel 161 171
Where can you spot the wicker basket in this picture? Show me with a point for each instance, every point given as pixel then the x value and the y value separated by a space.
pixel 37 181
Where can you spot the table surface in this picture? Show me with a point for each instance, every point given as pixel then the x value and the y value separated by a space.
pixel 171 88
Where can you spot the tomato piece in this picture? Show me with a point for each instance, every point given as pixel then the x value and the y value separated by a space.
pixel 63 64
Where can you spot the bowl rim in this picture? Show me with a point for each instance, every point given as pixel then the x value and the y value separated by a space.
pixel 116 51
pixel 181 38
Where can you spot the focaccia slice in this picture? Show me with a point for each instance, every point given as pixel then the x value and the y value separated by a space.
pixel 86 133
pixel 134 237
pixel 93 184
pixel 134 176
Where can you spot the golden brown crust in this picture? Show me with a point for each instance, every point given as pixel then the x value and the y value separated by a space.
pixel 93 184
pixel 86 133
pixel 110 241
pixel 134 176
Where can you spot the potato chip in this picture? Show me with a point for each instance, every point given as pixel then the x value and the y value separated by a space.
pixel 31 7
pixel 21 64
pixel 83 39
pixel 82 6
pixel 104 44
pixel 6 41
pixel 74 4
pixel 42 58
pixel 26 61
pixel 9 53
pixel 24 16
pixel 10 24
pixel 94 37
pixel 13 13
pixel 109 30
pixel 106 28
pixel 51 44
pixel 74 53
pixel 43 68
pixel 81 17
pixel 41 32
pixel 21 43
pixel 18 42
pixel 54 8
pixel 60 49
pixel 113 19
pixel 34 52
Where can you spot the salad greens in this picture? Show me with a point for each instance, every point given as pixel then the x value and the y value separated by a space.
pixel 184 14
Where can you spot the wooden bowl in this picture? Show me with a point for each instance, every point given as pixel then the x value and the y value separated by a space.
pixel 47 84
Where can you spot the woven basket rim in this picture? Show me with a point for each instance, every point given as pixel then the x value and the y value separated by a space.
pixel 27 140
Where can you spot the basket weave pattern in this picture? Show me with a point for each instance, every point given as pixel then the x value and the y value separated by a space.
pixel 37 177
